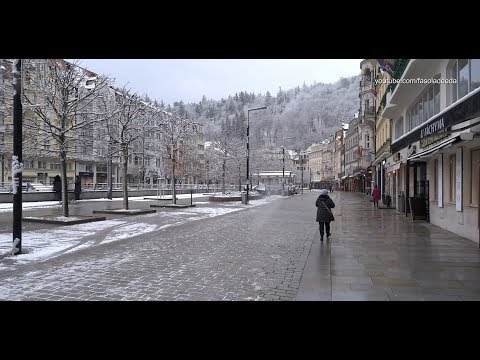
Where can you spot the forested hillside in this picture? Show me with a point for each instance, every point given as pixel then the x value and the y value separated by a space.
pixel 308 113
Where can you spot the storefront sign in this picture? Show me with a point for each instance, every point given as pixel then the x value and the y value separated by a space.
pixel 429 140
pixel 463 111
pixel 432 128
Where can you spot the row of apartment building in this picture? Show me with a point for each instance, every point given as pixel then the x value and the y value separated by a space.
pixel 90 157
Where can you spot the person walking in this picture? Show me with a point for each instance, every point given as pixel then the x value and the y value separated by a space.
pixel 57 187
pixel 78 187
pixel 375 195
pixel 324 205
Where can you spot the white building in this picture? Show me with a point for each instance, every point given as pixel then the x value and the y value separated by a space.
pixel 435 161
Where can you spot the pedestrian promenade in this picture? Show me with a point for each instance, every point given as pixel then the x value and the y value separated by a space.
pixel 265 252
pixel 379 254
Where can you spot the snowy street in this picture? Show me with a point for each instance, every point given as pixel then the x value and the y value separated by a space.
pixel 215 251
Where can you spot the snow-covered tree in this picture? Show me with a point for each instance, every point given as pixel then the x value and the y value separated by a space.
pixel 61 105
pixel 132 119
pixel 176 131
pixel 237 159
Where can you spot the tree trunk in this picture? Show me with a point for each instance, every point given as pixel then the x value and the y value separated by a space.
pixel 174 193
pixel 223 175
pixel 63 159
pixel 125 169
pixel 239 178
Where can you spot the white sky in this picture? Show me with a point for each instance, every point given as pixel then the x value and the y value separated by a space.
pixel 47 243
pixel 189 79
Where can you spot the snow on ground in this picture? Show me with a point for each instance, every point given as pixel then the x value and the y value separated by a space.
pixel 130 230
pixel 56 218
pixel 6 207
pixel 40 244
pixel 45 243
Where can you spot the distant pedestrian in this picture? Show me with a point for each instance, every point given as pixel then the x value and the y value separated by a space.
pixel 324 205
pixel 57 187
pixel 375 195
pixel 331 188
pixel 78 187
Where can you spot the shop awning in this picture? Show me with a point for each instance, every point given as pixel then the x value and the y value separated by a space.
pixel 394 167
pixel 462 110
pixel 434 149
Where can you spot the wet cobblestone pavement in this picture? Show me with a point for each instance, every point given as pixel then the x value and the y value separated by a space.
pixel 267 252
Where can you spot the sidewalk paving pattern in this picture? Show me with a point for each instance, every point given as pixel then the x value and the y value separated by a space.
pixel 230 251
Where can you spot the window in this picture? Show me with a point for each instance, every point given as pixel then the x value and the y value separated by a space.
pixel 368 76
pixel 436 99
pixel 399 128
pixel 42 165
pixel 420 119
pixel 430 102
pixel 367 141
pixel 463 75
pixel 475 176
pixel 27 164
pixel 474 74
pixel 453 87
pixel 55 166
pixel 467 74
pixel 425 107
pixel 453 178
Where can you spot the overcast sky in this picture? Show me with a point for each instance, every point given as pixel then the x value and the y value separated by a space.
pixel 189 79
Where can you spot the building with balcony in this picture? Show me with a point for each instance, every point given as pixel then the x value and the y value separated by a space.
pixel 338 157
pixel 352 154
pixel 382 135
pixel 435 142
pixel 366 124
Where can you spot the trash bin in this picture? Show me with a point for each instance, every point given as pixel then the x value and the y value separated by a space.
pixel 244 199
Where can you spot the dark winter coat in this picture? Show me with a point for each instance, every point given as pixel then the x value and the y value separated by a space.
pixel 323 215
pixel 57 184
pixel 78 186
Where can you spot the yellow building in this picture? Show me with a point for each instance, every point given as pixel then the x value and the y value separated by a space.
pixel 382 131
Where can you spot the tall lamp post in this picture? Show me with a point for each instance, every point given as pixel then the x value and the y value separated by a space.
pixel 301 167
pixel 283 167
pixel 248 148
pixel 17 157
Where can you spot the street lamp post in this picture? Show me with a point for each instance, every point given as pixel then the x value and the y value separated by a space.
pixel 301 165
pixel 248 148
pixel 17 154
pixel 283 171
pixel 283 168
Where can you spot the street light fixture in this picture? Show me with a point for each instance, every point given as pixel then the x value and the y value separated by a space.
pixel 248 148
